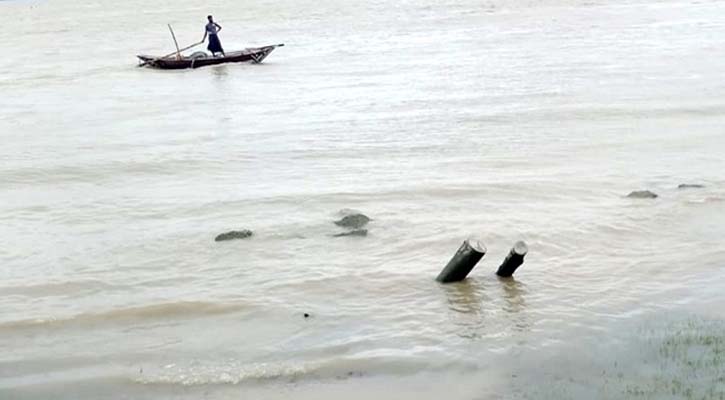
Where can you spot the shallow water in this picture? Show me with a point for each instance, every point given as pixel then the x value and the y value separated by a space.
pixel 508 120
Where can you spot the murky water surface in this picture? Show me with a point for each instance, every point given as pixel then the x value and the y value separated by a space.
pixel 510 120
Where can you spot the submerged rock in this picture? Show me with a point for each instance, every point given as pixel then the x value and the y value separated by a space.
pixel 690 186
pixel 355 232
pixel 231 235
pixel 353 221
pixel 642 194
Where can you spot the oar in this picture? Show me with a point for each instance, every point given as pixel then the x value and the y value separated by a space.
pixel 178 52
pixel 170 54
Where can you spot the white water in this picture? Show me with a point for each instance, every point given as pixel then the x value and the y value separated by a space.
pixel 511 120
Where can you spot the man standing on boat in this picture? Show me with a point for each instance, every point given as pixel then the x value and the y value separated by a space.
pixel 212 29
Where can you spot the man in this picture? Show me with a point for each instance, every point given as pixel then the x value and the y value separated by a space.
pixel 212 29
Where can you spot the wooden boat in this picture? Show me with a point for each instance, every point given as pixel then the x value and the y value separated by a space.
pixel 202 59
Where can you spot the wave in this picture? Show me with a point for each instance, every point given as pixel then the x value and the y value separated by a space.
pixel 163 311
pixel 235 372
pixel 97 172
pixel 707 200
pixel 58 288
pixel 598 113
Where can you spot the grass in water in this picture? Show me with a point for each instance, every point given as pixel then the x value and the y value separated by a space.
pixel 689 363
pixel 664 361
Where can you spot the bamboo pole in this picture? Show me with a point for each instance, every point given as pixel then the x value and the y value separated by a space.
pixel 170 54
pixel 178 52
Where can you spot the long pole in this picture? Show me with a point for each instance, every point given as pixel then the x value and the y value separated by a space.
pixel 178 52
pixel 185 48
pixel 170 54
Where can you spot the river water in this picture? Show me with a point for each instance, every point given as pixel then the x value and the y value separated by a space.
pixel 504 119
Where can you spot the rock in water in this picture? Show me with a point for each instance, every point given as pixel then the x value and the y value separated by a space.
pixel 356 232
pixel 353 221
pixel 642 194
pixel 690 186
pixel 231 235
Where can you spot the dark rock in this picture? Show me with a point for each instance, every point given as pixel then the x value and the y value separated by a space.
pixel 243 234
pixel 353 221
pixel 690 186
pixel 642 194
pixel 307 315
pixel 356 232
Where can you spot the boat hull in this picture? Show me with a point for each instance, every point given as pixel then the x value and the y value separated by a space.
pixel 254 55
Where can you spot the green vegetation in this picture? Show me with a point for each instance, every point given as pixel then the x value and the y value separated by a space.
pixel 689 363
pixel 665 361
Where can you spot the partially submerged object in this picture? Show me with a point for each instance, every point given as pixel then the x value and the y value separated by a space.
pixel 642 194
pixel 471 252
pixel 353 221
pixel 231 235
pixel 513 260
pixel 467 256
pixel 202 59
pixel 354 232
pixel 690 186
